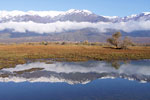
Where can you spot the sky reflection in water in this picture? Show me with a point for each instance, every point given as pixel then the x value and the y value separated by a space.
pixel 92 80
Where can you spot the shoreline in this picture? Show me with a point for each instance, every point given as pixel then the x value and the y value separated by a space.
pixel 11 55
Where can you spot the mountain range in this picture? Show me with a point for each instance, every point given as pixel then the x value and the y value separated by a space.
pixel 71 25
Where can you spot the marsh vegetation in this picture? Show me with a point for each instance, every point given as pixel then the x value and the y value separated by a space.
pixel 12 54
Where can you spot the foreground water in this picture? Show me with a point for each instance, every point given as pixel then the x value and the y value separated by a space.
pixel 92 80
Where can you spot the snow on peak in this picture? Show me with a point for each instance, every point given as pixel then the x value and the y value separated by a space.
pixel 72 10
pixel 46 13
pixel 146 13
pixel 111 17
pixel 7 14
pixel 131 16
pixel 21 13
pixel 87 11
pixel 135 15
pixel 79 11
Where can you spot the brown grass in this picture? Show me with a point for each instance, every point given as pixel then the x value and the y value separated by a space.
pixel 10 55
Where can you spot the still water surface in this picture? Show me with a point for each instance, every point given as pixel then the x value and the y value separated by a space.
pixel 91 80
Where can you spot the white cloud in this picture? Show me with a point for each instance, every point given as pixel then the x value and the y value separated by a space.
pixel 62 26
pixel 99 67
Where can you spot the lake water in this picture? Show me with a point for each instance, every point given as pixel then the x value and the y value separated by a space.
pixel 91 80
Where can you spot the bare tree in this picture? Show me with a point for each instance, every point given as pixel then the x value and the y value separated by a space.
pixel 115 40
pixel 126 42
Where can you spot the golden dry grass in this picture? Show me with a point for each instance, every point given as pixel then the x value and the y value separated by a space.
pixel 10 55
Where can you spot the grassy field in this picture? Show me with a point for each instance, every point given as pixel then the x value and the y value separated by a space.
pixel 10 55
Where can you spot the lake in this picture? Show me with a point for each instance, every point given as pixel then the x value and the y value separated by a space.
pixel 90 80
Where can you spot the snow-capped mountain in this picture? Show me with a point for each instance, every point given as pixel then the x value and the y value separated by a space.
pixel 70 15
pixel 71 25
pixel 50 16
pixel 145 16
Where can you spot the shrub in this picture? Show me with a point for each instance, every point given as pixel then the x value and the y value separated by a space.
pixel 126 42
pixel 85 42
pixel 115 40
pixel 44 43
pixel 63 43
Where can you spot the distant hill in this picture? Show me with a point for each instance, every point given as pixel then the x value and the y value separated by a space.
pixel 71 25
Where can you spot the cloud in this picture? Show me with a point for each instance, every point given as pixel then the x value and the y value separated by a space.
pixel 99 67
pixel 66 26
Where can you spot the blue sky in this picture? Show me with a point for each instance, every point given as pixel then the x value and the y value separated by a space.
pixel 101 7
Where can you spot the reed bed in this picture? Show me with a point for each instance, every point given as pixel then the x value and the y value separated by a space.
pixel 11 55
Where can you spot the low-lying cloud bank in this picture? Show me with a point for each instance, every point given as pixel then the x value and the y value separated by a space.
pixel 66 26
